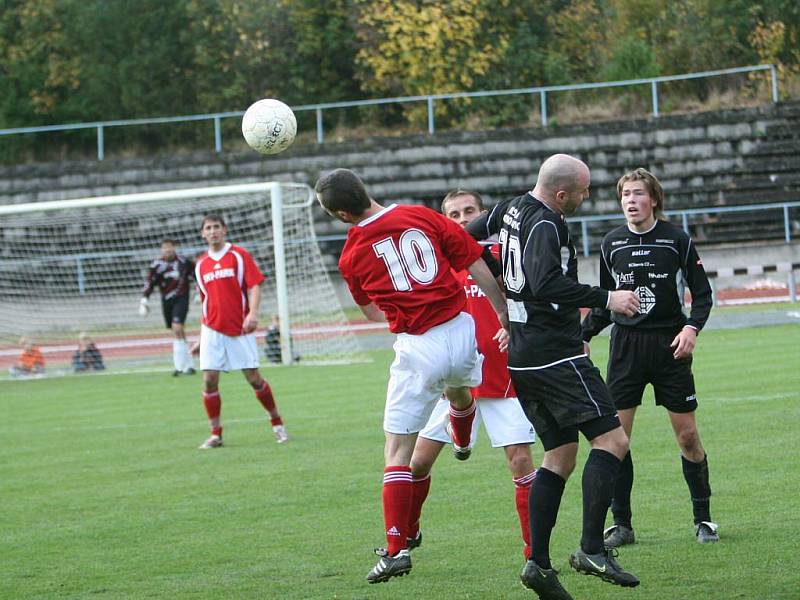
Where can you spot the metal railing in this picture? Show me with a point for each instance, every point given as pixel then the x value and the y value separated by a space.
pixel 537 92
pixel 81 259
pixel 684 214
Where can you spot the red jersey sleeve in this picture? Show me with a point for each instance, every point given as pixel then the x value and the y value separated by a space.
pixel 354 285
pixel 252 274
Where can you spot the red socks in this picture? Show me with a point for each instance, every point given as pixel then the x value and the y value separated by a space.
pixel 522 488
pixel 213 404
pixel 397 494
pixel 264 395
pixel 419 492
pixel 461 424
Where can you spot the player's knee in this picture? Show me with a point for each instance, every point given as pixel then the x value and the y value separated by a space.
pixel 419 470
pixel 519 460
pixel 256 382
pixel 689 441
pixel 566 468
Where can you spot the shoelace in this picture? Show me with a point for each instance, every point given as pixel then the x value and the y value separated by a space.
pixel 611 555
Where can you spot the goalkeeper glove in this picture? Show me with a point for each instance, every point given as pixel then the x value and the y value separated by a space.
pixel 143 308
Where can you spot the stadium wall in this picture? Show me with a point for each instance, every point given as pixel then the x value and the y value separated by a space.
pixel 721 158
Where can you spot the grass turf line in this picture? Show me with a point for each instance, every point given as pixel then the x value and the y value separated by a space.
pixel 105 495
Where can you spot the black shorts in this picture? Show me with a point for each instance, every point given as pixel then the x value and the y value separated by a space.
pixel 640 356
pixel 175 310
pixel 564 399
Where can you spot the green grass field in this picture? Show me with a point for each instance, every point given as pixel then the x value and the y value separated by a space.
pixel 104 494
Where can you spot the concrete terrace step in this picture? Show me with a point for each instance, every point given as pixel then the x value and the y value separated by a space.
pixel 728 157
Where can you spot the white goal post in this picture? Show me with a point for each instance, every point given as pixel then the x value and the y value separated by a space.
pixel 79 265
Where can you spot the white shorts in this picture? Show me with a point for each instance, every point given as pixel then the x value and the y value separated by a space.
pixel 220 352
pixel 505 421
pixel 424 365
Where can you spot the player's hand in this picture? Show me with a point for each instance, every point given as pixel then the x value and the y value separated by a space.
pixel 587 349
pixel 684 343
pixel 250 323
pixel 195 348
pixel 623 302
pixel 143 307
pixel 502 338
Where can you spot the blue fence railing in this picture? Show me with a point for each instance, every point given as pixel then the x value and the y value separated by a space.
pixel 82 260
pixel 684 214
pixel 540 93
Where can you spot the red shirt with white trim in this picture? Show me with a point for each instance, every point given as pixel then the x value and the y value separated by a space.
pixel 223 279
pixel 496 380
pixel 401 259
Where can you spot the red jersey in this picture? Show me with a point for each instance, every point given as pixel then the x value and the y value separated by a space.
pixel 223 279
pixel 496 380
pixel 401 259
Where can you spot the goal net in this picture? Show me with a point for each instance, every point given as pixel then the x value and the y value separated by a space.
pixel 79 266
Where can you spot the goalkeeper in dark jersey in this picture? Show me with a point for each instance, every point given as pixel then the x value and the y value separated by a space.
pixel 171 274
pixel 655 259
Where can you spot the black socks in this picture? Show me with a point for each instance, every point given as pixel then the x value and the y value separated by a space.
pixel 599 477
pixel 621 504
pixel 543 504
pixel 696 475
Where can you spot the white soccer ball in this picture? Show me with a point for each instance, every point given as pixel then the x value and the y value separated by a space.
pixel 269 126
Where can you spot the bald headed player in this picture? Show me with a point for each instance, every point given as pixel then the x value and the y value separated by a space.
pixel 560 389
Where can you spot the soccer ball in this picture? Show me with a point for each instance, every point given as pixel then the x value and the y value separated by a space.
pixel 269 126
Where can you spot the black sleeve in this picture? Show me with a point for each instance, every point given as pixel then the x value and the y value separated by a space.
pixel 491 262
pixel 599 318
pixel 190 265
pixel 699 286
pixel 542 265
pixel 489 223
pixel 478 228
pixel 151 281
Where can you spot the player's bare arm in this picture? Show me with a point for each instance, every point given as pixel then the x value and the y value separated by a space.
pixel 484 278
pixel 373 313
pixel 254 300
pixel 684 342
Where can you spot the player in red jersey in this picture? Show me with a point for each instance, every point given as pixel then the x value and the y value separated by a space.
pixel 229 280
pixel 397 263
pixel 501 413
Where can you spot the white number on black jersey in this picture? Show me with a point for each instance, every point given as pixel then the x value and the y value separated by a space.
pixel 513 276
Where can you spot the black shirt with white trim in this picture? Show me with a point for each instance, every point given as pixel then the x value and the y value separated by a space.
pixel 654 264
pixel 540 272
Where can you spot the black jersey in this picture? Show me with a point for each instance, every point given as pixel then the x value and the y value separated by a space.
pixel 540 272
pixel 171 277
pixel 654 264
